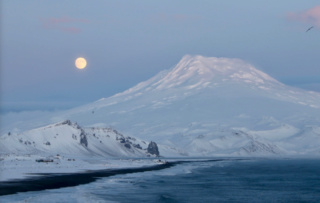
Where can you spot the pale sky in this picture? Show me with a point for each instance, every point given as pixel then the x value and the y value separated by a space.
pixel 126 42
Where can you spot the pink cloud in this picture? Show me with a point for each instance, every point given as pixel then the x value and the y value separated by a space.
pixel 310 16
pixel 64 24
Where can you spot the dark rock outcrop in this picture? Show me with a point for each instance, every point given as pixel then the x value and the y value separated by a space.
pixel 66 122
pixel 127 145
pixel 83 138
pixel 153 149
pixel 137 146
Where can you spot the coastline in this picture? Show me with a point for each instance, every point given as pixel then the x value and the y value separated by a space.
pixel 45 179
pixel 15 167
pixel 59 180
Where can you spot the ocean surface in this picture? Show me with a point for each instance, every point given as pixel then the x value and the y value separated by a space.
pixel 216 180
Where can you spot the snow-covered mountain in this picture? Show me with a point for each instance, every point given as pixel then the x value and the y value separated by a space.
pixel 211 106
pixel 71 139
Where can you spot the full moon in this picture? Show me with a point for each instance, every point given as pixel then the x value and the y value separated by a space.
pixel 81 63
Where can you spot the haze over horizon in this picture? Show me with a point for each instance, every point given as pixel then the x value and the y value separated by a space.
pixel 127 43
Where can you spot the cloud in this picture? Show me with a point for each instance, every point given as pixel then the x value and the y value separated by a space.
pixel 64 24
pixel 310 16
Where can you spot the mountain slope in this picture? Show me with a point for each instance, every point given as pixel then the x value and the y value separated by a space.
pixel 201 97
pixel 211 106
pixel 70 138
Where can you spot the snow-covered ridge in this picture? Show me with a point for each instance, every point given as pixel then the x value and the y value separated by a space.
pixel 70 138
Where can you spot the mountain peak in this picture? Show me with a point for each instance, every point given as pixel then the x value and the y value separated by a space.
pixel 202 72
pixel 199 70
pixel 212 67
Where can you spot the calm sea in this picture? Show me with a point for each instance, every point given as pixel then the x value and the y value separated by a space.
pixel 223 180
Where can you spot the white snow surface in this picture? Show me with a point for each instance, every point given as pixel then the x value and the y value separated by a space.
pixel 14 167
pixel 66 147
pixel 69 138
pixel 204 106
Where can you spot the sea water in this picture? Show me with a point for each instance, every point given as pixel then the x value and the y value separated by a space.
pixel 220 180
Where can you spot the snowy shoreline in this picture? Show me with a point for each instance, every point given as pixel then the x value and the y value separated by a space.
pixel 17 167
pixel 54 178
pixel 45 181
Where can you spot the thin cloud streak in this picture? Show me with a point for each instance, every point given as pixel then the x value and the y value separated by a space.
pixel 310 16
pixel 64 24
